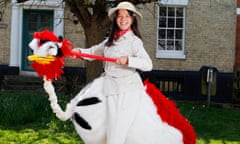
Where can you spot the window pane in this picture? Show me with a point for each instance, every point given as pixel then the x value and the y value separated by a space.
pixel 161 45
pixel 179 12
pixel 178 45
pixel 32 26
pixel 32 17
pixel 171 12
pixel 45 21
pixel 179 34
pixel 162 22
pixel 162 34
pixel 46 18
pixel 163 11
pixel 170 34
pixel 171 22
pixel 170 45
pixel 44 26
pixel 179 22
pixel 32 21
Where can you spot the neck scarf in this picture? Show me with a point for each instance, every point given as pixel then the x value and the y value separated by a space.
pixel 119 33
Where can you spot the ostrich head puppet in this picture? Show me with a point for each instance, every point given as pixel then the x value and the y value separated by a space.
pixel 49 52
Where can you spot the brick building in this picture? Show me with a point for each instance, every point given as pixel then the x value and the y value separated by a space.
pixel 181 37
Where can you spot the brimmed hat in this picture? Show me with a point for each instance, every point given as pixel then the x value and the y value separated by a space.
pixel 124 5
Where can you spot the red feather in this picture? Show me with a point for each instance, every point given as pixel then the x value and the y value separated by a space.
pixel 51 71
pixel 169 113
pixel 46 35
pixel 54 69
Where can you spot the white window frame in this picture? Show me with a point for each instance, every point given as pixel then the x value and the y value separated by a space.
pixel 172 54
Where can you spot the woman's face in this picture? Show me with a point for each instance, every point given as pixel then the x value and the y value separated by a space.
pixel 124 20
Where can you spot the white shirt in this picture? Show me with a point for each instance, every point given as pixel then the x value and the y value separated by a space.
pixel 127 45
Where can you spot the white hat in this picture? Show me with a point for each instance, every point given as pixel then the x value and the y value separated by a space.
pixel 124 5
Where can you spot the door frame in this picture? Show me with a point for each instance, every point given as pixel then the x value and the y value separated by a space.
pixel 17 22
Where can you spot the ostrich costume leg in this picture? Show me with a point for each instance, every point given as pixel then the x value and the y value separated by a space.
pixel 87 110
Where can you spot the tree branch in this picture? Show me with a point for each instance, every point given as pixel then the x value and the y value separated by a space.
pixel 79 8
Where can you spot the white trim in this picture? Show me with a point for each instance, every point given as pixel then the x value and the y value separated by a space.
pixel 28 73
pixel 16 24
pixel 170 54
pixel 238 11
pixel 58 21
pixel 52 3
pixel 174 2
pixel 14 39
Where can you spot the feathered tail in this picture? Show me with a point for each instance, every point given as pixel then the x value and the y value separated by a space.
pixel 169 113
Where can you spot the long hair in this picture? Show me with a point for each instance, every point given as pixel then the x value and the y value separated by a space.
pixel 115 27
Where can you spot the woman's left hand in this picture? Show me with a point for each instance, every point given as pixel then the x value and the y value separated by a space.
pixel 123 60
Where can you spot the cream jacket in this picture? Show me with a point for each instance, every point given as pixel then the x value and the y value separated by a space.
pixel 119 78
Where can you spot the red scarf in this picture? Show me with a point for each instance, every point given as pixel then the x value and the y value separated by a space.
pixel 118 34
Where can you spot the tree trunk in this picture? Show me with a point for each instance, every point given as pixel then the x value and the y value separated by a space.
pixel 94 35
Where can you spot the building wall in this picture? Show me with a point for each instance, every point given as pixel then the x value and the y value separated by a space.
pixel 210 36
pixel 75 34
pixel 5 36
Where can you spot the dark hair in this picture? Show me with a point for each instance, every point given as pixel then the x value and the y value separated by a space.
pixel 115 27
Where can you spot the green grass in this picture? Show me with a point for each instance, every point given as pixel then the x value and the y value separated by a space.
pixel 26 118
pixel 214 124
pixel 53 132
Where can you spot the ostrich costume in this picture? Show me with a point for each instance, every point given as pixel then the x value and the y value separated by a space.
pixel 144 115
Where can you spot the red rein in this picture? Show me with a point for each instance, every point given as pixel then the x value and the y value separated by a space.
pixel 96 57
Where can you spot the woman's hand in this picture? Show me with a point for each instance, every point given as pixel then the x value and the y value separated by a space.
pixel 76 50
pixel 123 60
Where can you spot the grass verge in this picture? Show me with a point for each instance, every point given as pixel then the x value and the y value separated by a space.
pixel 26 118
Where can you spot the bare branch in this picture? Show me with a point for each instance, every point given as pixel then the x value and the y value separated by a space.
pixel 81 10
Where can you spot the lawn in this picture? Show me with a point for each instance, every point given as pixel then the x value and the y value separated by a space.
pixel 214 124
pixel 26 118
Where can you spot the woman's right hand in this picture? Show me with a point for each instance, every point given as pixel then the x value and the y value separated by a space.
pixel 123 60
pixel 76 50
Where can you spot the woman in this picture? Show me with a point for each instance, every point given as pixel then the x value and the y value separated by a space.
pixel 131 115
